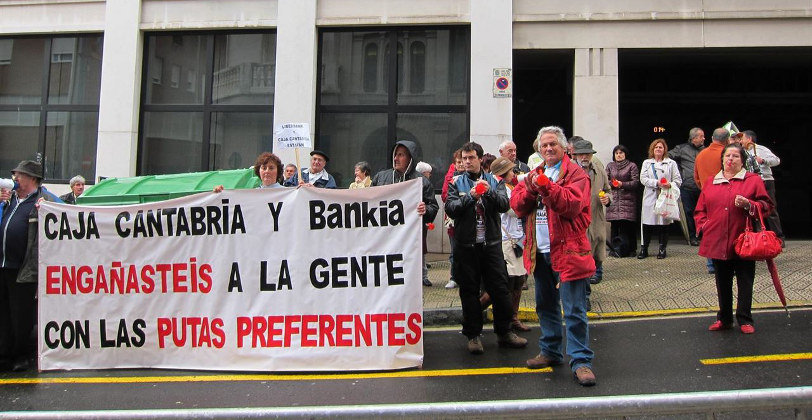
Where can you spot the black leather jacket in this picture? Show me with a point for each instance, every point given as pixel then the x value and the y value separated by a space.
pixel 460 206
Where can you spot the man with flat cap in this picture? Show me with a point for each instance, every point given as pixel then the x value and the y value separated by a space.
pixel 19 265
pixel 600 193
pixel 316 175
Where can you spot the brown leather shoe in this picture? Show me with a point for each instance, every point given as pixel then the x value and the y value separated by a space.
pixel 541 361
pixel 584 376
pixel 511 340
pixel 475 346
pixel 518 326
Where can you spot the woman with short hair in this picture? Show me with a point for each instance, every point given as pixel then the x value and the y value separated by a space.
pixel 726 201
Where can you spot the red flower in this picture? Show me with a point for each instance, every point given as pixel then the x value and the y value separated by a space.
pixel 663 181
pixel 542 180
pixel 616 183
pixel 430 226
pixel 480 188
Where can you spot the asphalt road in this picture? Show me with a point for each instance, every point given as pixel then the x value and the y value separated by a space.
pixel 644 356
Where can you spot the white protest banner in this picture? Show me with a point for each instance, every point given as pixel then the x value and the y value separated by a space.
pixel 292 135
pixel 278 279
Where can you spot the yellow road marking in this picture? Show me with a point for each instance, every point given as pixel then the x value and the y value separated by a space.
pixel 754 359
pixel 273 377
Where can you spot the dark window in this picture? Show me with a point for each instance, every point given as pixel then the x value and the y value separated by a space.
pixel 417 67
pixel 356 123
pixel 49 104
pixel 208 101
pixel 371 68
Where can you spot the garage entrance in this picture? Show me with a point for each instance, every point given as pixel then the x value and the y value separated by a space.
pixel 663 93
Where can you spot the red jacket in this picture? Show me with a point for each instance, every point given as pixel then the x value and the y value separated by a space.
pixel 718 219
pixel 568 213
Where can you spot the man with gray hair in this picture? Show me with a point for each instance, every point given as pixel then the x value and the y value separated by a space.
pixel 555 199
pixel 77 187
pixel 685 156
pixel 508 151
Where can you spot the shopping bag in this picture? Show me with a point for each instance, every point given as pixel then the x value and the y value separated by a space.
pixel 667 205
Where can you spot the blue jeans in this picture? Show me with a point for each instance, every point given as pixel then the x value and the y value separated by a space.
pixel 549 301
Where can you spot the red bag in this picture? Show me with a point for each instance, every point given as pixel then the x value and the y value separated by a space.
pixel 763 245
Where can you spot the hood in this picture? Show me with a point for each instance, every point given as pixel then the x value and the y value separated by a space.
pixel 412 147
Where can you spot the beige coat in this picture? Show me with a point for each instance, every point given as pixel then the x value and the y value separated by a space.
pixel 597 227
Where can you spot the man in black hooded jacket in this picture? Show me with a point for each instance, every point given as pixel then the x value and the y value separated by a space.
pixel 404 160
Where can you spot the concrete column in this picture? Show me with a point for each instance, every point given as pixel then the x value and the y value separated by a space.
pixel 491 47
pixel 120 95
pixel 295 88
pixel 595 99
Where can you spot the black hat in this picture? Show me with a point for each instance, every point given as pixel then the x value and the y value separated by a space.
pixel 320 153
pixel 29 167
pixel 582 146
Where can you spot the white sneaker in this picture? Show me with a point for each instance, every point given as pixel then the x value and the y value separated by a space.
pixel 451 284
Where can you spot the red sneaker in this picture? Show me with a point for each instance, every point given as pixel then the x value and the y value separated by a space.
pixel 747 329
pixel 718 326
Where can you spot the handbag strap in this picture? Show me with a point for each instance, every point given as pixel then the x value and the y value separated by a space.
pixel 749 226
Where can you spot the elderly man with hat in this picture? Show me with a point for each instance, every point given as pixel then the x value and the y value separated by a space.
pixel 316 175
pixel 584 155
pixel 19 265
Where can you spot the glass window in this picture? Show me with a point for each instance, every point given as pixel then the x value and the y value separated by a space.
pixel 59 128
pixel 343 59
pixel 172 142
pixel 447 53
pixel 417 67
pixel 21 75
pixel 359 120
pixel 75 73
pixel 349 138
pixel 166 56
pixel 19 138
pixel 244 69
pixel 209 99
pixel 437 136
pixel 371 68
pixel 237 138
pixel 70 146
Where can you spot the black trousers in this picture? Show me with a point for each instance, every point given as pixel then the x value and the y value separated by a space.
pixel 745 272
pixel 17 316
pixel 626 229
pixel 773 221
pixel 486 265
pixel 662 234
pixel 689 198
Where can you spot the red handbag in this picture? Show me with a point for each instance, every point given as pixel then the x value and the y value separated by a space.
pixel 763 245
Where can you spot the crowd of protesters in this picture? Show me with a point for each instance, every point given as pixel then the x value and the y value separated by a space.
pixel 506 220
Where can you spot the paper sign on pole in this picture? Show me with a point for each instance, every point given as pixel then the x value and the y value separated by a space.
pixel 291 135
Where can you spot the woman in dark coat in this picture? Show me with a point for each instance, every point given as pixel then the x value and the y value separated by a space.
pixel 624 178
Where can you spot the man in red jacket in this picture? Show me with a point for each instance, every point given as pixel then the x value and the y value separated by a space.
pixel 556 201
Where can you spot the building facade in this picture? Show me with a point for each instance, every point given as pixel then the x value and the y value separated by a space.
pixel 132 87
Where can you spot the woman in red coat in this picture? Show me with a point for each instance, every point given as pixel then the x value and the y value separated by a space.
pixel 726 201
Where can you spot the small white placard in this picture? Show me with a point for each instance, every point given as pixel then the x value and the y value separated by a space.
pixel 290 135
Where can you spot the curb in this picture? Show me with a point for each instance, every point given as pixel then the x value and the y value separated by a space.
pixel 453 316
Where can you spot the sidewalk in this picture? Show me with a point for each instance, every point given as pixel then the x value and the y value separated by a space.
pixel 679 283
